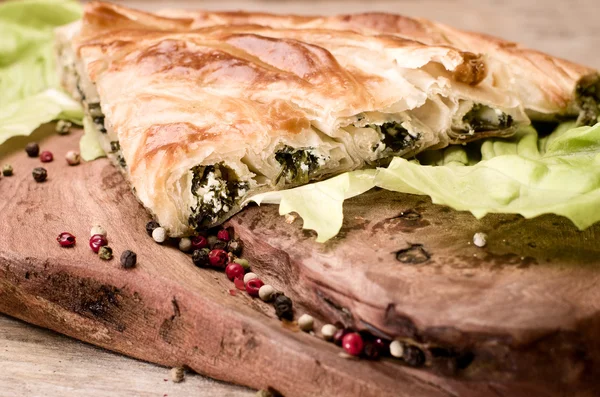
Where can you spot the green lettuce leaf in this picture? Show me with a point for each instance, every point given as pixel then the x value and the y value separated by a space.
pixel 559 174
pixel 30 92
pixel 320 204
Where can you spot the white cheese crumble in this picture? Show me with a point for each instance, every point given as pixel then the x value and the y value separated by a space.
pixel 480 239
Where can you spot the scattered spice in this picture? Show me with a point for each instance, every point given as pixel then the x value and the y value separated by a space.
pixel 150 226
pixel 177 374
pixel 128 259
pixel 306 322
pixel 232 292
pixel 253 286
pixel 413 356
pixel 266 292
pixel 283 307
pixel 480 239
pixel 235 246
pixel 239 284
pixel 63 127
pixel 32 149
pixel 223 235
pixel 212 240
pixel 249 276
pixel 374 348
pixel 97 241
pixel 353 343
pixel 7 170
pixel 339 335
pixel 46 156
pixel 39 174
pixel 97 229
pixel 185 244
pixel 217 258
pixel 220 245
pixel 199 242
pixel 73 157
pixel 105 253
pixel 396 349
pixel 159 235
pixel 234 270
pixel 243 262
pixel 328 330
pixel 200 257
pixel 66 239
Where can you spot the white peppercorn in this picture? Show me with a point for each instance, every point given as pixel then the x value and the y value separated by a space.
pixel 266 292
pixel 328 330
pixel 97 229
pixel 73 157
pixel 306 322
pixel 63 126
pixel 177 374
pixel 249 276
pixel 480 239
pixel 159 234
pixel 185 244
pixel 396 349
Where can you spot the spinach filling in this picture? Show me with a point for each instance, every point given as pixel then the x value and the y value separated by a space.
pixel 115 147
pixel 483 118
pixel 217 190
pixel 297 165
pixel 395 137
pixel 97 116
pixel 587 98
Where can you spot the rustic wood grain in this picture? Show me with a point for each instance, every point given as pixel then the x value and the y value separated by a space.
pixel 552 336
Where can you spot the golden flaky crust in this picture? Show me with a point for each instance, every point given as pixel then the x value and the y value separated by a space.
pixel 545 84
pixel 191 90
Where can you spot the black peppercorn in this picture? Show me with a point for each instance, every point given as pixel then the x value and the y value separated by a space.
pixel 105 252
pixel 339 335
pixel 413 356
pixel 221 245
pixel 200 257
pixel 150 226
pixel 128 259
pixel 7 170
pixel 235 246
pixel 32 149
pixel 283 308
pixel 39 174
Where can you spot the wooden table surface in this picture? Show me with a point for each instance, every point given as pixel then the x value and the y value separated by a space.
pixel 37 362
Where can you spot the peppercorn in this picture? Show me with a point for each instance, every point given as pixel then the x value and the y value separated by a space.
pixel 159 235
pixel 374 348
pixel 235 246
pixel 249 276
pixel 7 170
pixel 253 286
pixel 105 252
pixel 63 127
pixel 97 241
pixel 128 259
pixel 97 229
pixel 66 239
pixel 413 356
pixel 353 343
pixel 72 157
pixel 150 226
pixel 185 244
pixel 284 308
pixel 339 335
pixel 223 235
pixel 199 242
pixel 46 156
pixel 328 330
pixel 234 270
pixel 396 349
pixel 177 374
pixel 306 322
pixel 219 245
pixel 217 258
pixel 212 240
pixel 266 292
pixel 200 258
pixel 39 174
pixel 32 149
pixel 243 262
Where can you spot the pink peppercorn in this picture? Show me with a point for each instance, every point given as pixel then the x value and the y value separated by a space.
pixel 66 239
pixel 218 258
pixel 46 156
pixel 253 286
pixel 223 235
pixel 97 241
pixel 234 270
pixel 199 242
pixel 353 343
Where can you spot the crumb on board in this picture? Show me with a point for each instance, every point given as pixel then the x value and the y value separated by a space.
pixel 177 374
pixel 290 218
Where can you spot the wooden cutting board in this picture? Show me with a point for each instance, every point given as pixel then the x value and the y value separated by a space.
pixel 518 317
